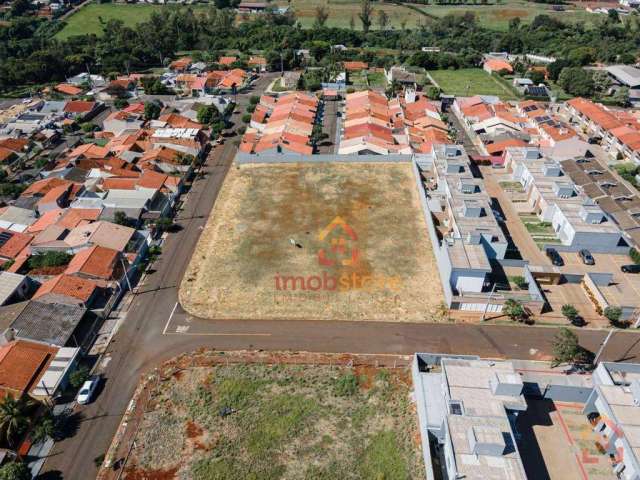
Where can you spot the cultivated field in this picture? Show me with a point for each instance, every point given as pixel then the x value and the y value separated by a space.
pixel 469 82
pixel 497 16
pixel 270 249
pixel 296 422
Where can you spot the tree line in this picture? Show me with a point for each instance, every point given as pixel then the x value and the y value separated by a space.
pixel 30 54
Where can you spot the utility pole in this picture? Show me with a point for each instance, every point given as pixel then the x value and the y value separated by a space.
pixel 486 307
pixel 126 275
pixel 603 345
pixel 281 65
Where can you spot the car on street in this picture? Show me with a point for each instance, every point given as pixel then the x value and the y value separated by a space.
pixel 555 257
pixel 88 390
pixel 586 257
pixel 630 268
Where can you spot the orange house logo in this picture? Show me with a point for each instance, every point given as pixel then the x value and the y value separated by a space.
pixel 341 244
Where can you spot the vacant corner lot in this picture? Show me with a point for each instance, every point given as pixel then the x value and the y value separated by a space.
pixel 269 249
pixel 468 82
pixel 237 422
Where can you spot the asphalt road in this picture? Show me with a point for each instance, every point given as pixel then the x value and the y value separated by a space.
pixel 156 328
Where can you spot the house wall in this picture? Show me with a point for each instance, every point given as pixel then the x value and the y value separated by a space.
pixel 467 280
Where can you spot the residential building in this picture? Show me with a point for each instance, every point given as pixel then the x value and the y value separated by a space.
pixel 497 65
pixel 576 219
pixel 614 411
pixel 95 263
pixel 121 122
pixel 67 289
pixel 467 409
pixel 13 288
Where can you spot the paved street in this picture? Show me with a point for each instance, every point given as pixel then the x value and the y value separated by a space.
pixel 156 328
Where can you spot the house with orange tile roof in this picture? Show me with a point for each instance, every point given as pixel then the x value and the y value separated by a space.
pixel 22 365
pixel 7 156
pixel 165 159
pixel 355 66
pixel 42 187
pixel 282 125
pixel 57 197
pixel 68 89
pixel 188 141
pixel 497 65
pixel 181 64
pixel 258 62
pixel 12 244
pixel 66 288
pixel 226 61
pixel 81 110
pixel 88 150
pixel 620 132
pixel 95 263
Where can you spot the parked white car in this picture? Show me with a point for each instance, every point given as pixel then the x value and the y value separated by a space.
pixel 88 389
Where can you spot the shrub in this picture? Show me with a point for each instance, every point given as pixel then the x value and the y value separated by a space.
pixel 613 314
pixel 246 118
pixel 570 312
pixel 78 377
pixel 520 282
pixel 346 385
pixel 635 255
pixel 48 259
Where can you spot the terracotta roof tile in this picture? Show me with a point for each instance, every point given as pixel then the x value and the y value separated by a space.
pixel 68 286
pixel 98 262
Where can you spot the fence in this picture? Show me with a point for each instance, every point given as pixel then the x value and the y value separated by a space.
pixel 243 158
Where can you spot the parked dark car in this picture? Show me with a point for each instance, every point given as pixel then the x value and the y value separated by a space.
pixel 586 257
pixel 555 257
pixel 630 268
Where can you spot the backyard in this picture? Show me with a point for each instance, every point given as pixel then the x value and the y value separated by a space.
pixel 541 232
pixel 278 421
pixel 468 82
pixel 312 241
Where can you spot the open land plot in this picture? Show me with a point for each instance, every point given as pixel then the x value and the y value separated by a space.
pixel 91 18
pixel 469 82
pixel 236 422
pixel 497 17
pixel 271 238
pixel 341 12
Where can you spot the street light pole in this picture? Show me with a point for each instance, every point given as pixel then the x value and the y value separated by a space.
pixel 486 306
pixel 602 346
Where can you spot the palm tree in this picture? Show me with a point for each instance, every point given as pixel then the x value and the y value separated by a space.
pixel 14 417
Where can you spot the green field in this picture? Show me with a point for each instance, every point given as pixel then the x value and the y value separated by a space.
pixel 92 17
pixel 341 12
pixel 273 422
pixel 467 82
pixel 497 17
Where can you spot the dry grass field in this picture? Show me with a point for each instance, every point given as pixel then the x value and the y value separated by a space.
pixel 269 249
pixel 294 422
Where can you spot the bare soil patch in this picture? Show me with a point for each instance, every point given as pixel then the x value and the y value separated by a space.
pixel 315 241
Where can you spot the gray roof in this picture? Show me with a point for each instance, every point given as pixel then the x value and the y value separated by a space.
pixel 625 74
pixel 51 323
pixel 16 215
pixel 8 284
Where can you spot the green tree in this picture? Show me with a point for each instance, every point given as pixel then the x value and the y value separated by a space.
pixel 208 114
pixel 515 310
pixel 621 96
pixel 567 349
pixel 120 103
pixel 383 19
pixel 246 118
pixel 15 471
pixel 365 15
pixel 48 259
pixel 152 110
pixel 433 92
pixel 570 312
pixel 536 76
pixel 14 417
pixel 44 428
pixel 613 314
pixel 78 376
pixel 164 224
pixel 121 218
pixel 577 81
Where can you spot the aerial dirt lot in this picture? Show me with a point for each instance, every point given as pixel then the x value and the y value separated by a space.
pixel 315 241
pixel 278 421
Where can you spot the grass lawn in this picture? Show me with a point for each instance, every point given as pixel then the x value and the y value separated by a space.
pixel 238 422
pixel 87 20
pixel 497 17
pixel 469 82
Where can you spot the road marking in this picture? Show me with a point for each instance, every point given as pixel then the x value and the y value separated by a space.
pixel 182 328
pixel 218 334
pixel 169 319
